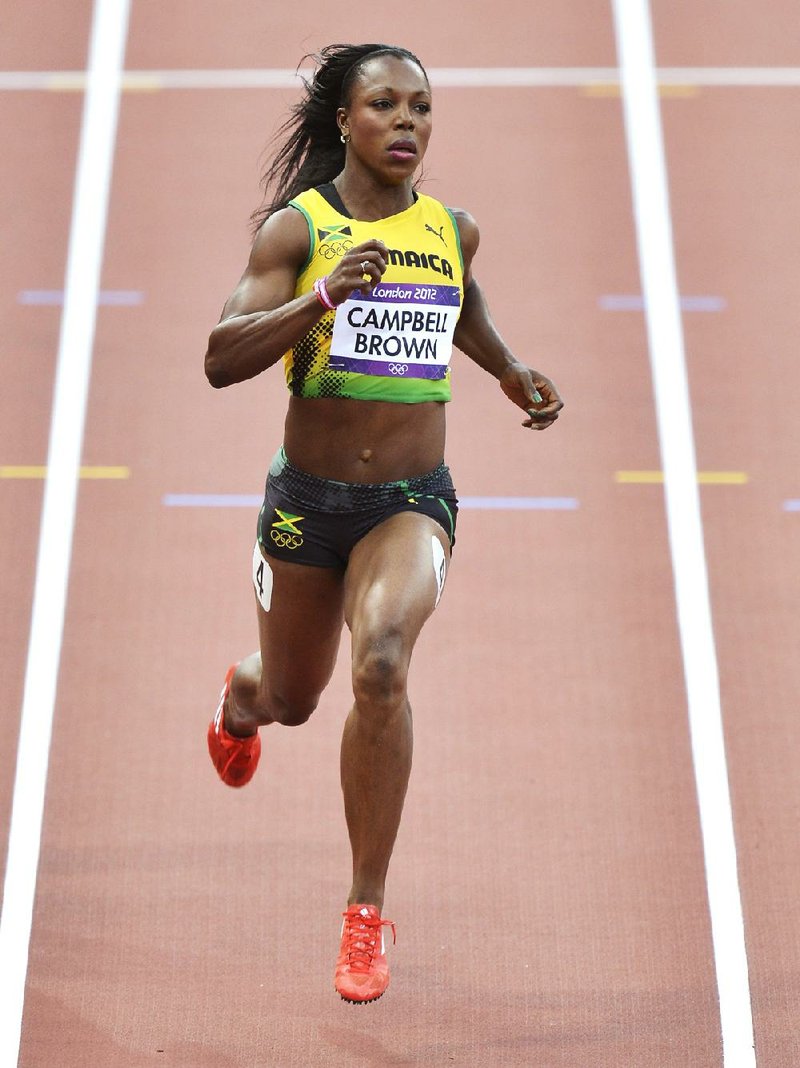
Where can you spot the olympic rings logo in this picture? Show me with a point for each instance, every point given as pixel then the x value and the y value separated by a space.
pixel 329 251
pixel 284 540
pixel 398 368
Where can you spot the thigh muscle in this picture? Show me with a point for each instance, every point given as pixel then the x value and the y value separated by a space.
pixel 301 630
pixel 394 580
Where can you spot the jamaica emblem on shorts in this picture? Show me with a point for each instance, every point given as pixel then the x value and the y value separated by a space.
pixel 285 531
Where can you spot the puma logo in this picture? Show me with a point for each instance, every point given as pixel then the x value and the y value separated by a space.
pixel 438 233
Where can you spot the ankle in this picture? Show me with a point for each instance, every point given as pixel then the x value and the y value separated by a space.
pixel 236 724
pixel 365 896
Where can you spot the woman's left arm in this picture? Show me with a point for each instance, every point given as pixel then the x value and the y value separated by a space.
pixel 477 337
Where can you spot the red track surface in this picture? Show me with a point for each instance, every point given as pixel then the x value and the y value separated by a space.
pixel 548 881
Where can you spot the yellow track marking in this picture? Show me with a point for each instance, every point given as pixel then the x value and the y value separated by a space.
pixel 40 471
pixel 69 82
pixel 142 83
pixel 705 478
pixel 133 82
pixel 664 90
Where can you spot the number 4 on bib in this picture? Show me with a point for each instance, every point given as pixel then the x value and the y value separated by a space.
pixel 262 579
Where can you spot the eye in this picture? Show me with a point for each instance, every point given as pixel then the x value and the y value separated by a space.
pixel 382 104
pixel 422 108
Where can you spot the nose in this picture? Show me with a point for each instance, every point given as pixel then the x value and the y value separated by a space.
pixel 405 118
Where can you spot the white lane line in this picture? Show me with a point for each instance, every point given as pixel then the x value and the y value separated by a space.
pixel 673 409
pixel 288 78
pixel 84 259
pixel 730 77
pixel 441 77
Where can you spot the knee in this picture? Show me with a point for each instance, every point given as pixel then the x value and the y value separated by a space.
pixel 380 674
pixel 266 704
pixel 292 711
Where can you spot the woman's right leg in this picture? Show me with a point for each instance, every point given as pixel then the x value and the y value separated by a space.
pixel 299 639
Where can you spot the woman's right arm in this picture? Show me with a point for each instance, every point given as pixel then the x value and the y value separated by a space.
pixel 262 319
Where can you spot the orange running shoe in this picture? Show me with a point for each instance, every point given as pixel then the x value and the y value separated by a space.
pixel 362 971
pixel 235 759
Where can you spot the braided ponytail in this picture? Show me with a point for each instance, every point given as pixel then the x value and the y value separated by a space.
pixel 312 152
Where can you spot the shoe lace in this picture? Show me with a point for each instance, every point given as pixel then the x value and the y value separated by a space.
pixel 236 750
pixel 361 935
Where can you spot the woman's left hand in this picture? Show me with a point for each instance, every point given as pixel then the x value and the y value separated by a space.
pixel 534 393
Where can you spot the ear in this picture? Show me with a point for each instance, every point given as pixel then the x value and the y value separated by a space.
pixel 341 120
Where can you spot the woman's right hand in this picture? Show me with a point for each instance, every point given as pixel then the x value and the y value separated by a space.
pixel 361 267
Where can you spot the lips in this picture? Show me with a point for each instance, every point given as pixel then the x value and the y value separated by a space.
pixel 403 147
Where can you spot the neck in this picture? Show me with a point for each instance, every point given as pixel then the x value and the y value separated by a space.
pixel 368 200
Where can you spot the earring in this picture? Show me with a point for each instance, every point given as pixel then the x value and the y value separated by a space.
pixel 344 138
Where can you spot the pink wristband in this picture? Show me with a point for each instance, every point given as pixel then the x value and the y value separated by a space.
pixel 321 289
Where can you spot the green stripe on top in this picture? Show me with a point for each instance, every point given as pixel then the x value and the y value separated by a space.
pixel 312 237
pixel 458 236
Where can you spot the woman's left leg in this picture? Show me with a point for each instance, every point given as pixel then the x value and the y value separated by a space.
pixel 392 584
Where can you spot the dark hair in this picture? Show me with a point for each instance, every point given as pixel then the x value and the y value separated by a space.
pixel 312 152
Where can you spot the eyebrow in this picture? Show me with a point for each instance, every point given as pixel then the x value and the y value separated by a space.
pixel 391 89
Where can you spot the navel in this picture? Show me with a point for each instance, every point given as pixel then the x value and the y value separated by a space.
pixel 366 456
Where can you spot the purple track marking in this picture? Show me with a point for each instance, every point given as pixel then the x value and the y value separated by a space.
pixel 212 500
pixel 623 302
pixel 519 504
pixel 122 298
pixel 245 500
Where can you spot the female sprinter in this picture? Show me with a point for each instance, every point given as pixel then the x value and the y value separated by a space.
pixel 362 286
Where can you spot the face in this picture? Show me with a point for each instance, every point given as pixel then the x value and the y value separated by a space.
pixel 388 117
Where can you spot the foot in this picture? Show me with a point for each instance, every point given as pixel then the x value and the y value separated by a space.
pixel 362 971
pixel 235 759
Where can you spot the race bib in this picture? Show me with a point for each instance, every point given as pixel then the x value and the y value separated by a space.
pixel 399 329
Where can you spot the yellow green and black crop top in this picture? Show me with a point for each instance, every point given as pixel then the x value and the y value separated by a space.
pixel 395 343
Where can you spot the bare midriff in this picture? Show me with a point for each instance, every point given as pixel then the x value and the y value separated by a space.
pixel 364 441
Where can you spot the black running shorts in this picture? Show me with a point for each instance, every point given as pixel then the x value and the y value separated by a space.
pixel 309 520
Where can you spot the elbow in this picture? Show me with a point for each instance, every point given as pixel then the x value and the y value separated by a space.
pixel 230 358
pixel 215 375
pixel 214 367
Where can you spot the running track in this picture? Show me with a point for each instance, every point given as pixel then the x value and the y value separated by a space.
pixel 549 882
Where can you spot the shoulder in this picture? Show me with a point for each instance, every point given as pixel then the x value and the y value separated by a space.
pixel 468 234
pixel 279 249
pixel 282 240
pixel 466 227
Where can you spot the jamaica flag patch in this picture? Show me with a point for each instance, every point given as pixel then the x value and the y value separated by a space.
pixel 334 233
